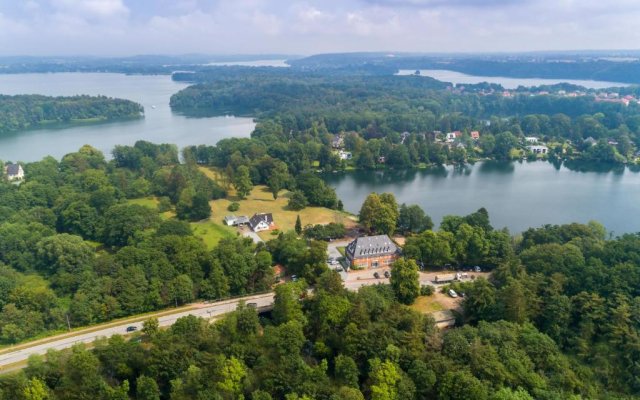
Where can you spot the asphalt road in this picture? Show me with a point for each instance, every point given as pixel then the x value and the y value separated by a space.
pixel 264 301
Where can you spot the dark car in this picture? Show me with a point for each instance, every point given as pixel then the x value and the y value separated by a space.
pixel 376 275
pixel 132 328
pixel 252 305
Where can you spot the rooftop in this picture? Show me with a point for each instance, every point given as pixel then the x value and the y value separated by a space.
pixel 367 246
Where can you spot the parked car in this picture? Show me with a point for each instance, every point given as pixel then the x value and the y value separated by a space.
pixel 338 269
pixel 453 293
pixel 252 305
pixel 294 278
pixel 132 328
pixel 387 274
pixel 376 275
pixel 477 268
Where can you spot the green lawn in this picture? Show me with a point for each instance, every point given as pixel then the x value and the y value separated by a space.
pixel 426 305
pixel 211 233
pixel 260 200
pixel 152 202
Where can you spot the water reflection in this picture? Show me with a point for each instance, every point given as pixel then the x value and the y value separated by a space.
pixel 590 166
pixel 496 167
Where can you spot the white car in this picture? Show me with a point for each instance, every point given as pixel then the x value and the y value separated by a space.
pixel 453 293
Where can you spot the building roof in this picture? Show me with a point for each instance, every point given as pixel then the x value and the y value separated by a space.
pixel 257 218
pixel 368 246
pixel 230 218
pixel 242 219
pixel 13 169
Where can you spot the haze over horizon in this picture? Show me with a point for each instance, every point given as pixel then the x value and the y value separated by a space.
pixel 125 27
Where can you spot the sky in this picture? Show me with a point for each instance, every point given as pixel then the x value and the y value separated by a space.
pixel 129 27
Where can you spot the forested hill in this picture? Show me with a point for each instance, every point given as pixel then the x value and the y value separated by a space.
pixel 31 111
pixel 602 67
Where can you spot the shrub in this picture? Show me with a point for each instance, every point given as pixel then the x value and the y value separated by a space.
pixel 164 204
pixel 235 206
pixel 427 290
pixel 298 201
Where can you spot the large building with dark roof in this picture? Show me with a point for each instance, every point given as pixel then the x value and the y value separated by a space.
pixel 372 252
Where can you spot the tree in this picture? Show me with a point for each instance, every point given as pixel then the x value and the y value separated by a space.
pixel 147 389
pixel 151 327
pixel 278 178
pixel 124 221
pixel 297 201
pixel 287 306
pixel 412 219
pixel 64 253
pixel 461 385
pixel 242 181
pixel 181 289
pixel 505 141
pixel 232 375
pixel 480 299
pixel 346 371
pixel 35 389
pixel 200 208
pixel 385 377
pixel 298 225
pixel 405 280
pixel 379 213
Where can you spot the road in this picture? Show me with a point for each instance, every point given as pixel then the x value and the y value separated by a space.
pixel 263 302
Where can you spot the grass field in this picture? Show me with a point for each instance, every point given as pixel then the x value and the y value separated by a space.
pixel 427 305
pixel 211 233
pixel 152 202
pixel 215 175
pixel 260 200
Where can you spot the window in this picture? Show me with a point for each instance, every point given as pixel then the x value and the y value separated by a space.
pixel 374 264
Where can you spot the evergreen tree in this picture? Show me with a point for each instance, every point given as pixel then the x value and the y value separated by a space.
pixel 298 225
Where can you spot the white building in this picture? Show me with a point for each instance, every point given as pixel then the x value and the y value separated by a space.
pixel 531 139
pixel 345 155
pixel 538 149
pixel 261 222
pixel 14 172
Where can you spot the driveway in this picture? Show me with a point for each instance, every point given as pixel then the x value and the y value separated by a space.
pixel 332 252
pixel 246 232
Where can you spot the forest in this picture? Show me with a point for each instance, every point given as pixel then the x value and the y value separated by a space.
pixel 594 65
pixel 22 112
pixel 558 318
pixel 402 119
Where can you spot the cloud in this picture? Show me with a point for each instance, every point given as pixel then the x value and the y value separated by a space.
pixel 445 3
pixel 92 8
pixel 119 27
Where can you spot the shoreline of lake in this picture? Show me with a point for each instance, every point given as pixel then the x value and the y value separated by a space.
pixel 518 195
pixel 459 78
pixel 159 125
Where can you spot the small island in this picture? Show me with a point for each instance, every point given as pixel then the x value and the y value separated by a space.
pixel 22 112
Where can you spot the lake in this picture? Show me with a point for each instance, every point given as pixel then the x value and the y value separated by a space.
pixel 253 63
pixel 517 195
pixel 507 83
pixel 160 124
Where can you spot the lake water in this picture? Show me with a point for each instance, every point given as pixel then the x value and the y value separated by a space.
pixel 507 83
pixel 517 195
pixel 253 63
pixel 160 124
